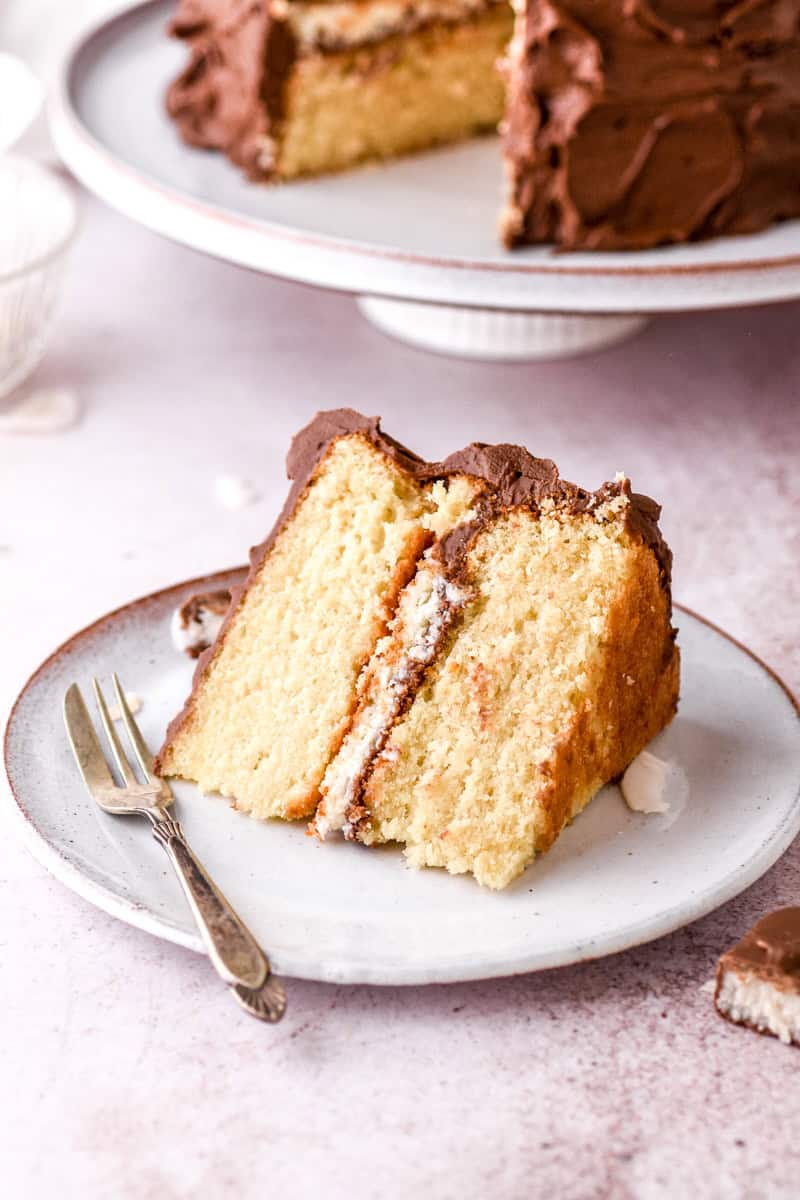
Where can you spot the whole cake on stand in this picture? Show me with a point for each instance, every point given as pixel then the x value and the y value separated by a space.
pixel 626 123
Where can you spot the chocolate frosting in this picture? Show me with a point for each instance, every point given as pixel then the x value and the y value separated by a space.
pixel 632 123
pixel 517 479
pixel 513 473
pixel 230 96
pixel 192 612
pixel 217 602
pixel 310 444
pixel 770 951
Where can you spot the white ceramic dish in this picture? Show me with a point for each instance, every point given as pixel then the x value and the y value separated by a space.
pixel 39 220
pixel 344 913
pixel 406 235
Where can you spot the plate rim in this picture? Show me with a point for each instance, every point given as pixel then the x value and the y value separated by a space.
pixel 636 934
pixel 205 226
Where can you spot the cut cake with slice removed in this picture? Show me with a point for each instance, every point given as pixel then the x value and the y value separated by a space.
pixel 625 123
pixel 272 698
pixel 296 87
pixel 530 659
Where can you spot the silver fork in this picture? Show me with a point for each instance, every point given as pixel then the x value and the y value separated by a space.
pixel 231 946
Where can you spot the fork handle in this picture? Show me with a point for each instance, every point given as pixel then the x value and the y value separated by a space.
pixel 231 946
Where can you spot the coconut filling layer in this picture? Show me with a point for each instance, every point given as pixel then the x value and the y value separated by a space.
pixel 426 612
pixel 341 26
pixel 749 1000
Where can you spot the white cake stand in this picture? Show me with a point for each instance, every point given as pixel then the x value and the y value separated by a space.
pixel 415 240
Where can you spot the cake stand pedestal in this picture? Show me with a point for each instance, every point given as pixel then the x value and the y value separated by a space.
pixel 490 334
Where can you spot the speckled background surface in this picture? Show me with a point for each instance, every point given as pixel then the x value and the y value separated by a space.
pixel 124 1070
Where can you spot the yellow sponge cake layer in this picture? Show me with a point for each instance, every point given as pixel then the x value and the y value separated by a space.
pixel 438 84
pixel 552 664
pixel 273 696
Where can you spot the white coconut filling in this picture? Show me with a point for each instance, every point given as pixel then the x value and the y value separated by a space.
pixel 198 632
pixel 749 1000
pixel 340 25
pixel 424 627
pixel 644 783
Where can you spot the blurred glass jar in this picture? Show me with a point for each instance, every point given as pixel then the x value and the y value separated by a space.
pixel 38 221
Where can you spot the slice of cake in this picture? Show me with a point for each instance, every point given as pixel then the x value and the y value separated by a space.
pixel 629 124
pixel 295 87
pixel 530 659
pixel 273 696
pixel 453 656
pixel 758 981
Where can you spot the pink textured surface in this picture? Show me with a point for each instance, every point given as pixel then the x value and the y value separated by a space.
pixel 125 1071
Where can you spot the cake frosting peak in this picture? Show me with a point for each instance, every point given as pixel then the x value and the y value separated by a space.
pixel 517 478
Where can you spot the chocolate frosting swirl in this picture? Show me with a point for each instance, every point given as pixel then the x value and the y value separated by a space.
pixel 517 479
pixel 632 123
pixel 230 96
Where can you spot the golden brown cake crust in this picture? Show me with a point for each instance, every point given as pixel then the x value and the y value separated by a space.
pixel 641 649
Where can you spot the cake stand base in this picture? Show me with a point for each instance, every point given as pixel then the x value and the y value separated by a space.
pixel 491 334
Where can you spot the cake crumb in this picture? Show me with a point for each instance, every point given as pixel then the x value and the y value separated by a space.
pixel 233 492
pixel 610 509
pixel 134 704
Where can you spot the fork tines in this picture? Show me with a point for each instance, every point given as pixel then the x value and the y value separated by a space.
pixel 143 756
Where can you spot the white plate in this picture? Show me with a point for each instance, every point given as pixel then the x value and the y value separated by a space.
pixel 420 229
pixel 345 913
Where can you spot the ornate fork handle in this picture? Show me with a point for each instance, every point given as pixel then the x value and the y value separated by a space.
pixel 231 947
